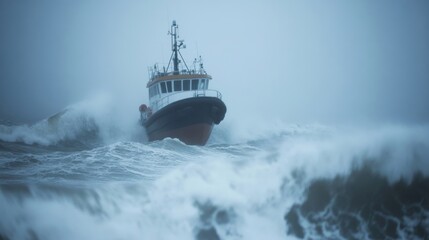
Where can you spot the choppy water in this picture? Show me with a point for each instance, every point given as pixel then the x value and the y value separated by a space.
pixel 69 177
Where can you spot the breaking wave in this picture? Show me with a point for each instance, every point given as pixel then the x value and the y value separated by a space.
pixel 85 124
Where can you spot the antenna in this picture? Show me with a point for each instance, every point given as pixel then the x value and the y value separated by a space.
pixel 196 44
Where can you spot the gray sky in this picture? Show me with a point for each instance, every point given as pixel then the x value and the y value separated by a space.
pixel 297 61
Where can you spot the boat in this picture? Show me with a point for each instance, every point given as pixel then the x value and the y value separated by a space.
pixel 181 105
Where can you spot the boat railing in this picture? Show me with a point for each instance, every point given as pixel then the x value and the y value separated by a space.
pixel 155 72
pixel 183 95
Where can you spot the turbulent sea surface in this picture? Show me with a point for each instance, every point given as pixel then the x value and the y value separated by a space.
pixel 71 177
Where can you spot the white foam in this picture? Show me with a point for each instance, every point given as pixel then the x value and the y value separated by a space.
pixel 99 115
pixel 395 151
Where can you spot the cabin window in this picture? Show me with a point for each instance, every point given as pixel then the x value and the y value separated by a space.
pixel 202 84
pixel 178 85
pixel 169 86
pixel 156 89
pixel 163 88
pixel 151 91
pixel 186 85
pixel 194 84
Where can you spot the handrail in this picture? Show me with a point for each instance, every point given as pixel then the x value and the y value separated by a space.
pixel 183 95
pixel 155 74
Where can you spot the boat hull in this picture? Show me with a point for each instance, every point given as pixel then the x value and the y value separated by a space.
pixel 190 120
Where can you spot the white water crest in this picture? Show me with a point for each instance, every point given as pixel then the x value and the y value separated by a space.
pixel 99 118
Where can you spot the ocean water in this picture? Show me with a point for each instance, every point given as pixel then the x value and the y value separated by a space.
pixel 78 176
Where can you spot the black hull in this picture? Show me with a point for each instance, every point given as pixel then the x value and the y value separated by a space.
pixel 190 120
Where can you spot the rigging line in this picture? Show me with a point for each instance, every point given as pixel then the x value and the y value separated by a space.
pixel 168 66
pixel 183 61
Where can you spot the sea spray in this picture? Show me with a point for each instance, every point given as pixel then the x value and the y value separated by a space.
pixel 89 123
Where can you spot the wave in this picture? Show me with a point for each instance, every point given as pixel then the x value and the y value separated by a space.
pixel 63 127
pixel 85 124
pixel 298 182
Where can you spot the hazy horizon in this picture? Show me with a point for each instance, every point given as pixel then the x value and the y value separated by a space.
pixel 306 61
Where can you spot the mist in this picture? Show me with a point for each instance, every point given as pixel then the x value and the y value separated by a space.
pixel 294 61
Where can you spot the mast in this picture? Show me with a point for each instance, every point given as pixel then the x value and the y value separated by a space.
pixel 174 47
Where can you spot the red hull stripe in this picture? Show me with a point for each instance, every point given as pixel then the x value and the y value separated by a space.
pixel 196 134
